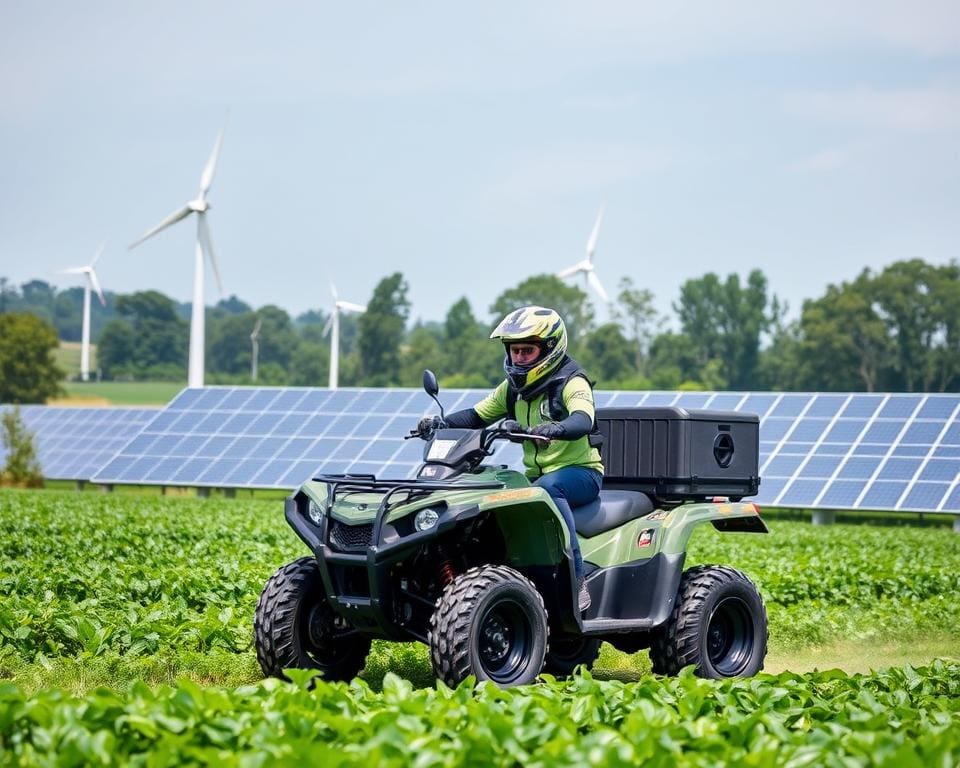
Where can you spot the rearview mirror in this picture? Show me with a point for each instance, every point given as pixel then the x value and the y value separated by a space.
pixel 430 385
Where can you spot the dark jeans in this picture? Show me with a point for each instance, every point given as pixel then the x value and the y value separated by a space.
pixel 572 487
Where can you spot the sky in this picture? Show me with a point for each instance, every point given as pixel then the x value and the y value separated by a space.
pixel 470 146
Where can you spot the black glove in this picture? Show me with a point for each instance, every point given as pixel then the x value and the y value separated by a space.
pixel 511 425
pixel 548 430
pixel 430 423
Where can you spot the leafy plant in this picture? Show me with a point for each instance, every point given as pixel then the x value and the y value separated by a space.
pixel 22 467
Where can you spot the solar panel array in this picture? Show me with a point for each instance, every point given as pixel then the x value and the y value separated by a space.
pixel 829 451
pixel 73 443
pixel 276 437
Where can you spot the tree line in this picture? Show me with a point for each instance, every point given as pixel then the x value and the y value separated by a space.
pixel 897 329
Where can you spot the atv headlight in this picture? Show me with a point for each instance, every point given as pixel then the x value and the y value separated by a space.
pixel 314 512
pixel 425 519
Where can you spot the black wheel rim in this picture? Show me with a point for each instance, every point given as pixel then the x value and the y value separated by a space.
pixel 730 637
pixel 504 642
pixel 320 638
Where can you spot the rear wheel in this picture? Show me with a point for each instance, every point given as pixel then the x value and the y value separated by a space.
pixel 295 627
pixel 719 625
pixel 567 653
pixel 489 622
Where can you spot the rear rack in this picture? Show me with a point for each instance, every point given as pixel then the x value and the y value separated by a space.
pixel 359 483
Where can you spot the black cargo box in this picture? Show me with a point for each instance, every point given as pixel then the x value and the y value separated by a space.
pixel 677 454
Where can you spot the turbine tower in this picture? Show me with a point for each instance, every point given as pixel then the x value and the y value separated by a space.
pixel 585 266
pixel 255 351
pixel 91 283
pixel 332 327
pixel 199 206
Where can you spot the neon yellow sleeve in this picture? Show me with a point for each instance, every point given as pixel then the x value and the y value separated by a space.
pixel 578 396
pixel 494 405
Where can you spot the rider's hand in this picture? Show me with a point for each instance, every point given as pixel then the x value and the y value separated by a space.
pixel 430 423
pixel 511 425
pixel 548 430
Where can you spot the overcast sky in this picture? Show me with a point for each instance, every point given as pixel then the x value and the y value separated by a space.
pixel 471 146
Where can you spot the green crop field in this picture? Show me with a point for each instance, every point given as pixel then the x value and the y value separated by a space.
pixel 125 636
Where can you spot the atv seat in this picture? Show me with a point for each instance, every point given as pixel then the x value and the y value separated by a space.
pixel 610 510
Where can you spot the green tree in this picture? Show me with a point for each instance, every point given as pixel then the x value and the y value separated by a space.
pixel 381 332
pixel 471 359
pixel 917 303
pixel 28 371
pixel 727 321
pixel 22 467
pixel 548 291
pixel 278 339
pixel 149 340
pixel 310 365
pixel 229 348
pixel 636 311
pixel 843 344
pixel 423 350
pixel 233 305
pixel 38 297
pixel 607 355
pixel 676 362
pixel 310 325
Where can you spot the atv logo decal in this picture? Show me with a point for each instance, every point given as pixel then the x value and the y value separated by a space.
pixel 645 539
pixel 515 495
pixel 661 515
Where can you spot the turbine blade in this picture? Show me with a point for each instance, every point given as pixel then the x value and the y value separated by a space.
pixel 206 179
pixel 333 292
pixel 329 324
pixel 203 235
pixel 596 285
pixel 95 284
pixel 72 271
pixel 173 218
pixel 99 253
pixel 349 305
pixel 592 242
pixel 583 265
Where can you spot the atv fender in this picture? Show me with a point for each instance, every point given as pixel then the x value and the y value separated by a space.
pixel 677 527
pixel 533 530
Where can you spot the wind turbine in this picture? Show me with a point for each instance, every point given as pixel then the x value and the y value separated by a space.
pixel 586 265
pixel 92 283
pixel 199 206
pixel 332 327
pixel 255 352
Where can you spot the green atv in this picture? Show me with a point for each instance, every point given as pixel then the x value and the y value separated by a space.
pixel 475 562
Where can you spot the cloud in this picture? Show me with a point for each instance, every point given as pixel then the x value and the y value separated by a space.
pixel 560 172
pixel 687 29
pixel 934 109
pixel 820 162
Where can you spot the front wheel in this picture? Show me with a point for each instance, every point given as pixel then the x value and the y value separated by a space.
pixel 489 622
pixel 719 625
pixel 295 627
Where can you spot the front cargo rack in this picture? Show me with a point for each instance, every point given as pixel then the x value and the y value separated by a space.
pixel 416 489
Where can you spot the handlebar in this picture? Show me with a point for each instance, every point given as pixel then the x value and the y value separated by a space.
pixel 494 433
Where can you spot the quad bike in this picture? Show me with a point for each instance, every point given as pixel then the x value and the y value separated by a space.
pixel 475 562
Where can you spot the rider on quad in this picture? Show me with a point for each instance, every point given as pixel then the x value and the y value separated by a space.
pixel 545 393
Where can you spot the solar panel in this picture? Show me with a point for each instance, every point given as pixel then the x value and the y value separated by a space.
pixel 817 450
pixel 277 437
pixel 73 443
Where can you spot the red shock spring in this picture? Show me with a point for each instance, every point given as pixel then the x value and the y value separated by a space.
pixel 447 572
